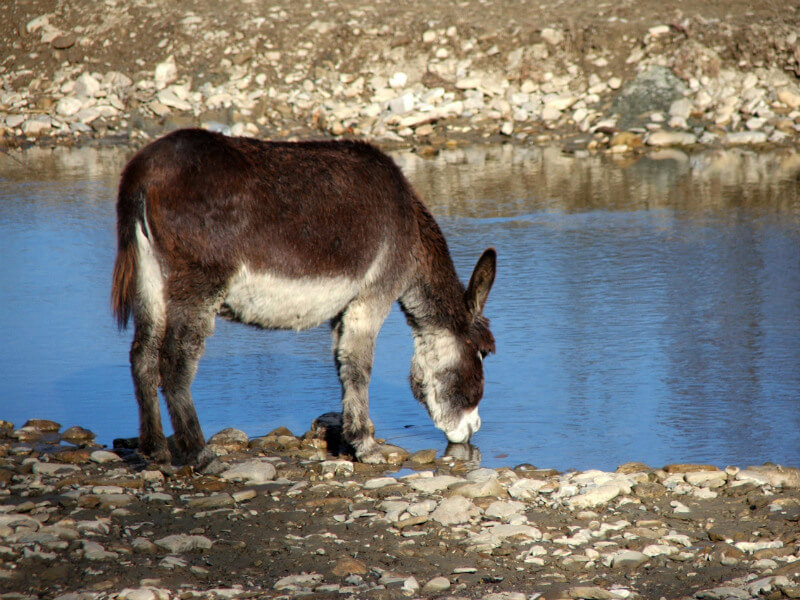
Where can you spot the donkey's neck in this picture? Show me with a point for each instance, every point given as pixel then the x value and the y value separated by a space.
pixel 434 299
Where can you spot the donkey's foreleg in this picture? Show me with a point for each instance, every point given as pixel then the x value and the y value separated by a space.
pixel 144 368
pixel 184 342
pixel 354 335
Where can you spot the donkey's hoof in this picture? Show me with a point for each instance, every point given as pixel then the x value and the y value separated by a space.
pixel 160 456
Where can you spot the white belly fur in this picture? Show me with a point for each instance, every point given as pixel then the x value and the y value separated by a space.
pixel 278 302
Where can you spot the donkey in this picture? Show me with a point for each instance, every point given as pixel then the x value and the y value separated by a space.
pixel 288 235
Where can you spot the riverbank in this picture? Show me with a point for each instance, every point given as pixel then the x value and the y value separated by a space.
pixel 279 517
pixel 589 77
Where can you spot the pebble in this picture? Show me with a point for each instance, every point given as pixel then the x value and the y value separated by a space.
pixel 455 510
pixel 436 585
pixel 671 138
pixel 251 471
pixel 568 528
pixel 182 543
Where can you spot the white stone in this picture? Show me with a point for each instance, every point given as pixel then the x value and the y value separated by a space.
pixel 595 496
pixel 398 80
pixel 37 125
pixel 66 107
pixel 709 479
pixel 436 585
pixel 560 103
pixel 104 456
pixel 298 581
pixel 658 30
pixel 626 558
pixel 789 98
pixel 37 23
pixel 435 484
pixel 552 36
pixel 455 510
pixel 252 471
pixel 15 121
pixel 86 86
pixel 165 72
pixel 681 108
pixel 526 489
pixel 659 550
pixel 402 104
pixel 503 510
pixel 671 138
pixel 379 482
pixel 180 543
pixel 168 97
pixel 745 137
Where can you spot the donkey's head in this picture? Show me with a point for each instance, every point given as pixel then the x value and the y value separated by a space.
pixel 447 367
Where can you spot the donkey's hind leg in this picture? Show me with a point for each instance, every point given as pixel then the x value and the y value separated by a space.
pixel 149 331
pixel 188 325
pixel 354 335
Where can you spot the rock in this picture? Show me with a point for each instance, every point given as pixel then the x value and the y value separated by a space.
pixel 490 487
pixel 745 137
pixel 436 585
pixel 165 72
pixel 776 475
pixel 349 566
pixel 709 479
pixel 503 510
pixel 591 593
pixel 95 551
pixel 169 98
pixel 789 98
pixel 422 457
pixel 394 455
pixel 552 36
pixel 211 502
pixel 681 108
pixel 455 510
pixel 526 489
pixel 230 439
pixel 68 106
pixel 53 469
pixel 64 41
pixel 434 484
pixel 671 138
pixel 181 543
pixel 103 457
pixel 653 90
pixel 379 482
pixel 595 496
pixel 251 471
pixel 143 593
pixel 76 434
pixel 86 86
pixel 626 559
pixel 298 581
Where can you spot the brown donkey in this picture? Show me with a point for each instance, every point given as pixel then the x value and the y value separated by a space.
pixel 289 235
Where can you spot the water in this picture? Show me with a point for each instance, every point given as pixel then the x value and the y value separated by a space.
pixel 644 310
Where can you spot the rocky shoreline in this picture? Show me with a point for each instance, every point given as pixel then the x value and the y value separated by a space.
pixel 613 79
pixel 278 516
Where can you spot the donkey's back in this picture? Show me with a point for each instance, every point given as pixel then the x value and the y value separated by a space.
pixel 275 234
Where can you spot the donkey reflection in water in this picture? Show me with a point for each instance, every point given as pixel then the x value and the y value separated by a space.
pixel 288 235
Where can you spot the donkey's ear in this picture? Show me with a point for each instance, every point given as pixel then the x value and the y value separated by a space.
pixel 481 281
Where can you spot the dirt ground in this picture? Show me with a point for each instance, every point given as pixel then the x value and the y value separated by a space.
pixel 284 46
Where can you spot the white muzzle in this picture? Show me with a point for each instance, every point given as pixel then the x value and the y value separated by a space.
pixel 461 433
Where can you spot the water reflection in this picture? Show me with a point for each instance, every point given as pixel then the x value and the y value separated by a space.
pixel 644 309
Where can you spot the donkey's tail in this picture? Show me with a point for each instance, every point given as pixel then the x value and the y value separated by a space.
pixel 130 210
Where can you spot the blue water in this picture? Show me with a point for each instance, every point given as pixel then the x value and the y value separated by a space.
pixel 647 311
